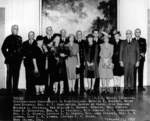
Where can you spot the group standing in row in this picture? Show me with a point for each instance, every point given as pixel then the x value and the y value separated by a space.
pixel 54 64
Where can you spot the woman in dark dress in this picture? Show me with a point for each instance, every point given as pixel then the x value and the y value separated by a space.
pixel 40 65
pixel 117 70
pixel 58 55
pixel 90 64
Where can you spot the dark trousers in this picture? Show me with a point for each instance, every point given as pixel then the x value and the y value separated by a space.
pixel 96 86
pixel 129 71
pixel 82 82
pixel 30 79
pixel 12 78
pixel 51 77
pixel 50 83
pixel 139 71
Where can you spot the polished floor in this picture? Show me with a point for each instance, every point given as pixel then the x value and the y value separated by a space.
pixel 141 104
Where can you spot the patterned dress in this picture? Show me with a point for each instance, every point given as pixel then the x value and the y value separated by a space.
pixel 105 65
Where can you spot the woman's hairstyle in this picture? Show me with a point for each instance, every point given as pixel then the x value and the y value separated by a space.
pixel 87 43
pixel 55 35
pixel 68 38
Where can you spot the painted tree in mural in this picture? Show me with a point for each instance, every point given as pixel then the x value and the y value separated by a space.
pixel 109 22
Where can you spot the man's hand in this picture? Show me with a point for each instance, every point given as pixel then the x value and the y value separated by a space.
pixel 36 70
pixel 121 64
pixel 137 64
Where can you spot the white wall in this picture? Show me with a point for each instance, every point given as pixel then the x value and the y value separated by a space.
pixel 132 14
pixel 25 13
pixel 148 48
pixel 2 35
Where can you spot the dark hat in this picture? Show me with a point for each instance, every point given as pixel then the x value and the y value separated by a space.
pixel 39 38
pixel 89 36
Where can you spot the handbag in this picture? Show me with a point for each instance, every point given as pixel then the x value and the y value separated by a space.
pixel 109 66
pixel 91 67
pixel 78 70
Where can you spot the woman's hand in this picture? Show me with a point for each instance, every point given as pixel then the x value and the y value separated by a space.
pixel 62 55
pixel 137 64
pixel 50 44
pixel 78 65
pixel 92 64
pixel 45 48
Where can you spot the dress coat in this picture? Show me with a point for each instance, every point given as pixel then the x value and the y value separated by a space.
pixel 40 56
pixel 117 70
pixel 91 56
pixel 129 55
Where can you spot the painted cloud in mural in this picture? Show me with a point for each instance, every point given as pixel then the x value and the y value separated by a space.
pixel 71 15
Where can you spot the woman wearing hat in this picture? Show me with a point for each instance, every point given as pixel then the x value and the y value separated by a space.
pixel 117 70
pixel 90 64
pixel 40 65
pixel 105 65
pixel 59 74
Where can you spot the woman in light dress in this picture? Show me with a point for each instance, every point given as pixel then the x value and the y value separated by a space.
pixel 106 65
pixel 72 62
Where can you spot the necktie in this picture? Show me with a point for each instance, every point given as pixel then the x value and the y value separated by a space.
pixel 129 41
pixel 30 42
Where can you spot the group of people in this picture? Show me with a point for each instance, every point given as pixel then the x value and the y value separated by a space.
pixel 56 63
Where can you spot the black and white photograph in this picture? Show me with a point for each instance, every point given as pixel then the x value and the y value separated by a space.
pixel 74 60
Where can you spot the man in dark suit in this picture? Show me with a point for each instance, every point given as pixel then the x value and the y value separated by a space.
pixel 28 56
pixel 80 41
pixel 11 50
pixel 97 41
pixel 48 43
pixel 142 45
pixel 49 34
pixel 129 59
pixel 64 53
pixel 63 34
